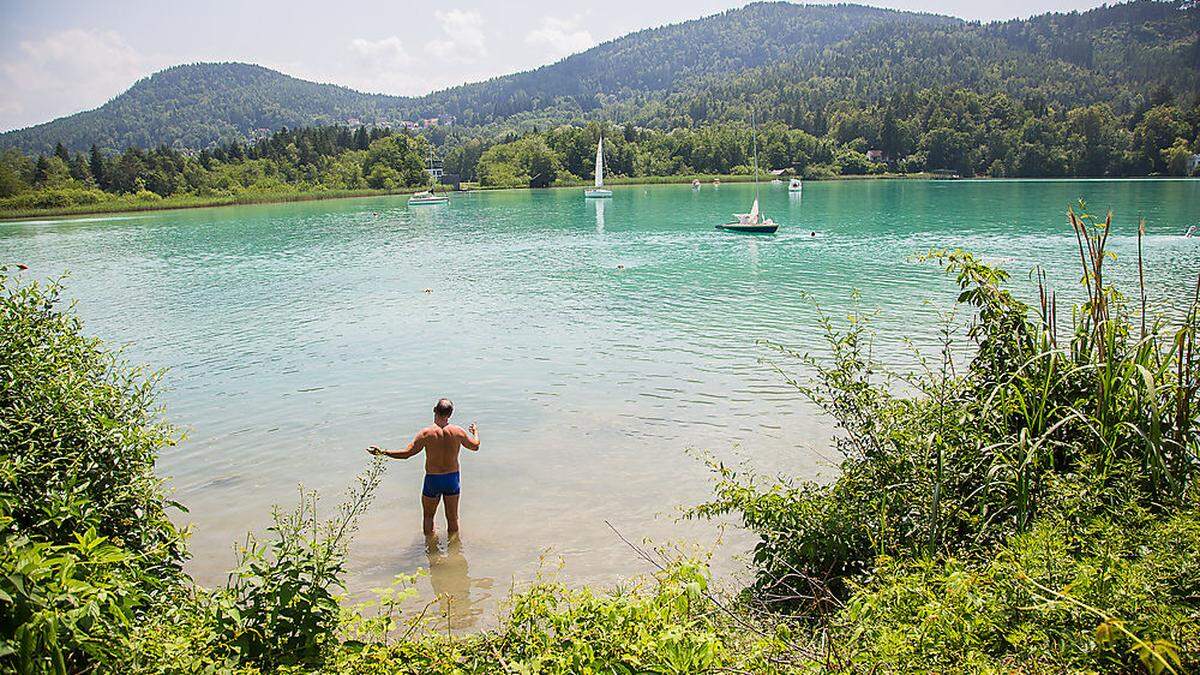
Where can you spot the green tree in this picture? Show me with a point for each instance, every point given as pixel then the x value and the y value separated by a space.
pixel 10 182
pixel 947 149
pixel 400 156
pixel 1092 141
pixel 1157 131
pixel 1177 157
pixel 96 165
pixel 537 161
pixel 41 171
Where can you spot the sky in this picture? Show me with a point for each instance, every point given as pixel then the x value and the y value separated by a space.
pixel 58 57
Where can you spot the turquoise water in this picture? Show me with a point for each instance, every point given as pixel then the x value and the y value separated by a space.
pixel 593 341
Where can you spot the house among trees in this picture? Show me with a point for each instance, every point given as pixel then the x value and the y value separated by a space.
pixel 876 156
pixel 436 169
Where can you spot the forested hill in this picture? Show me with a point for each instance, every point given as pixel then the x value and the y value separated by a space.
pixel 795 60
pixel 197 105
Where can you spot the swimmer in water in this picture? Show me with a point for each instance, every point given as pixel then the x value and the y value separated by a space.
pixel 441 442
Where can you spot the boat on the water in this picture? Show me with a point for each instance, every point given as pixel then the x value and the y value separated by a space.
pixel 598 190
pixel 753 222
pixel 795 185
pixel 716 181
pixel 427 197
pixel 695 183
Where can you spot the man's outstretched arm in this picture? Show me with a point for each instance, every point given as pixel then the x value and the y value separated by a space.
pixel 414 448
pixel 471 442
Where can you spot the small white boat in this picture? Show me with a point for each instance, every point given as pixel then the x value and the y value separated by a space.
pixel 776 182
pixel 795 185
pixel 752 222
pixel 427 197
pixel 598 191
pixel 716 181
pixel 695 183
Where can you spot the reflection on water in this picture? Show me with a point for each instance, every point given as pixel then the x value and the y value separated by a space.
pixel 452 584
pixel 599 215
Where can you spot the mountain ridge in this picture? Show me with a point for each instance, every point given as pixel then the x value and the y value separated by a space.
pixel 649 76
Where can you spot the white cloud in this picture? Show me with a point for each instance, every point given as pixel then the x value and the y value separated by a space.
pixel 386 53
pixel 382 65
pixel 560 37
pixel 65 72
pixel 464 39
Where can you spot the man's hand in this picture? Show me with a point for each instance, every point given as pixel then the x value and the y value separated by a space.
pixel 374 450
pixel 471 442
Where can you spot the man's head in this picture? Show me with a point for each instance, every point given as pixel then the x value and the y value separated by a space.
pixel 443 410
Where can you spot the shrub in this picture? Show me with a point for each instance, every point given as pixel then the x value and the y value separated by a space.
pixel 87 542
pixel 280 604
pixel 54 198
pixel 80 433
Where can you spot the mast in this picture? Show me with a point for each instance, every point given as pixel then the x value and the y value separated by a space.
pixel 754 141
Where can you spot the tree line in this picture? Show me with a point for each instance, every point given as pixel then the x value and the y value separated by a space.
pixel 959 130
pixel 291 160
pixel 933 130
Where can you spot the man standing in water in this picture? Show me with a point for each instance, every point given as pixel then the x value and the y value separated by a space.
pixel 441 442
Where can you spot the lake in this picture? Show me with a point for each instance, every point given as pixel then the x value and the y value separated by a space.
pixel 594 341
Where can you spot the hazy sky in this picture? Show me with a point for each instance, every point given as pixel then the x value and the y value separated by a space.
pixel 59 57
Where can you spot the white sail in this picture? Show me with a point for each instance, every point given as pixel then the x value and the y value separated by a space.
pixel 754 211
pixel 600 163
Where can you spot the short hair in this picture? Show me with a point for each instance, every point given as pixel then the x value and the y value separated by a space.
pixel 444 407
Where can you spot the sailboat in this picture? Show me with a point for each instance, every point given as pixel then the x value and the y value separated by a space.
pixel 428 196
pixel 598 190
pixel 754 221
pixel 795 185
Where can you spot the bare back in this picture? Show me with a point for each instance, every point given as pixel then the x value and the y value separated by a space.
pixel 441 445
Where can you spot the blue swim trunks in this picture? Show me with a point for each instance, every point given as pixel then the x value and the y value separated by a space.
pixel 438 484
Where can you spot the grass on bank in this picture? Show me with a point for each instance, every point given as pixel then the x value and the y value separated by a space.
pixel 88 202
pixel 1031 510
pixel 103 202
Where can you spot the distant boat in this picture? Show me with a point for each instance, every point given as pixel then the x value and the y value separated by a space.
pixel 777 182
pixel 752 222
pixel 795 185
pixel 695 183
pixel 598 190
pixel 716 181
pixel 427 197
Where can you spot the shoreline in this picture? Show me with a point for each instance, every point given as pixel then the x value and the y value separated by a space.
pixel 118 207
